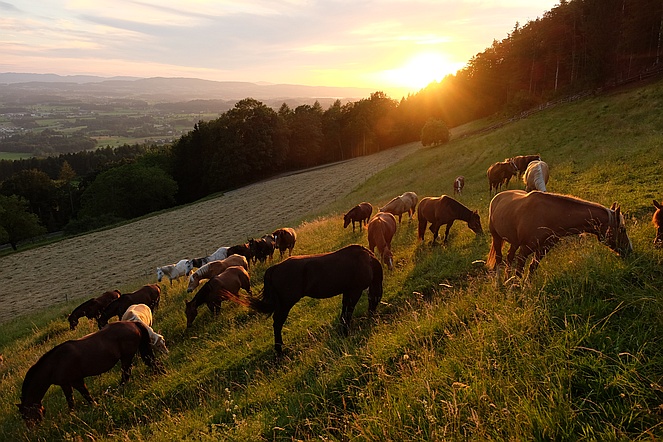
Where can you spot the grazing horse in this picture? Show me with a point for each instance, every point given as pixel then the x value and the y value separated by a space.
pixel 92 308
pixel 445 210
pixel 500 174
pixel 347 271
pixel 521 162
pixel 173 271
pixel 220 253
pixel 657 220
pixel 262 248
pixel 214 268
pixel 459 183
pixel 361 213
pixel 285 239
pixel 218 289
pixel 534 222
pixel 148 294
pixel 401 204
pixel 142 313
pixel 241 249
pixel 536 176
pixel 381 229
pixel 69 363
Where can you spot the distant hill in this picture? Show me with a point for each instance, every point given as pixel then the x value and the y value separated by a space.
pixel 160 89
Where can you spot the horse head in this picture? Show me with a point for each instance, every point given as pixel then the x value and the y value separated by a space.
pixel 159 343
pixel 73 322
pixel 32 414
pixel 475 223
pixel 657 220
pixel 388 258
pixel 191 311
pixel 346 220
pixel 615 236
pixel 159 274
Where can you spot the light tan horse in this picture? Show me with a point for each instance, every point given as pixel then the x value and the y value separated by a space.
pixel 536 176
pixel 401 204
pixel 213 268
pixel 534 222
pixel 381 230
pixel 142 313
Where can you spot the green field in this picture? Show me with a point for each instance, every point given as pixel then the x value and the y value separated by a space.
pixel 573 353
pixel 14 156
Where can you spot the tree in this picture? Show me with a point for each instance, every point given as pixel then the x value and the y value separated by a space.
pixel 16 222
pixel 434 132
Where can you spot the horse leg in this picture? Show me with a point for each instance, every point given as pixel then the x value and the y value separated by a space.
pixel 523 253
pixel 435 228
pixel 68 394
pixel 540 253
pixel 126 367
pixel 280 315
pixel 446 233
pixel 350 300
pixel 510 256
pixel 79 385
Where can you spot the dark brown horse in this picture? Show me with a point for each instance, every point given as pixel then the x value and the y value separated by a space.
pixel 148 295
pixel 241 249
pixel 285 239
pixel 534 222
pixel 381 229
pixel 522 161
pixel 361 213
pixel 445 210
pixel 499 174
pixel 657 220
pixel 92 308
pixel 217 290
pixel 69 363
pixel 347 271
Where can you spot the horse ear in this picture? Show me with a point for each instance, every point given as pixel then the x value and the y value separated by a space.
pixel 614 205
pixel 657 204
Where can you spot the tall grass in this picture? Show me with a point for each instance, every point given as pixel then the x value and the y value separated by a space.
pixel 573 353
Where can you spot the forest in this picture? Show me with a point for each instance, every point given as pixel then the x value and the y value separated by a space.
pixel 578 46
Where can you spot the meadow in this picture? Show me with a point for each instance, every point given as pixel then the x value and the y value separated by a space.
pixel 572 353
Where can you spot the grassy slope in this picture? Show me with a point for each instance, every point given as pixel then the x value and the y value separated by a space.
pixel 574 354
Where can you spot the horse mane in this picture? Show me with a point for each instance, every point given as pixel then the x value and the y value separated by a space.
pixel 457 204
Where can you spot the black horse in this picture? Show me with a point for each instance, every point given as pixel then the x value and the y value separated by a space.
pixel 148 294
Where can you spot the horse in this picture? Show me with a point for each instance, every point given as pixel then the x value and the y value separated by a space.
pixel 361 213
pixel 445 210
pixel 459 183
pixel 69 363
pixel 285 239
pixel 241 249
pixel 534 222
pixel 657 220
pixel 521 162
pixel 92 308
pixel 218 289
pixel 174 271
pixel 406 202
pixel 214 268
pixel 381 229
pixel 148 294
pixel 262 248
pixel 347 271
pixel 220 253
pixel 536 176
pixel 499 174
pixel 142 313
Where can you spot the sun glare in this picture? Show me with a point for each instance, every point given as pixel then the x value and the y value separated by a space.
pixel 421 70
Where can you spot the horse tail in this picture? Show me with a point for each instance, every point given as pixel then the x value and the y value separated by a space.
pixel 375 288
pixel 265 303
pixel 492 255
pixel 145 346
pixel 421 230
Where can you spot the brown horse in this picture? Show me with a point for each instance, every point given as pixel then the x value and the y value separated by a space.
pixel 347 271
pixel 214 268
pixel 445 210
pixel 285 239
pixel 92 308
pixel 399 205
pixel 148 295
pixel 361 213
pixel 522 161
pixel 536 176
pixel 381 229
pixel 459 184
pixel 534 222
pixel 499 174
pixel 217 290
pixel 657 220
pixel 69 363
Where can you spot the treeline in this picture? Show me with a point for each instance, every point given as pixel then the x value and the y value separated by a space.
pixel 577 46
pixel 46 142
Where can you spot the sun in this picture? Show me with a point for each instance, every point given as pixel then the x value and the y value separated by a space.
pixel 421 70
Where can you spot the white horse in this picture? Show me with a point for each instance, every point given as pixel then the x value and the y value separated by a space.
pixel 221 253
pixel 173 271
pixel 536 176
pixel 142 313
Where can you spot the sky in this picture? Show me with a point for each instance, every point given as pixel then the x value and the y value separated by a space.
pixel 388 45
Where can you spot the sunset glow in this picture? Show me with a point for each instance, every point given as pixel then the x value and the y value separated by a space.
pixel 421 70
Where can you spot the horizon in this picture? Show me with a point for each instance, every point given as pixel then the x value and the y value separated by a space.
pixel 395 46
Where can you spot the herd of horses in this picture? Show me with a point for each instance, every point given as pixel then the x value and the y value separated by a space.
pixel 529 220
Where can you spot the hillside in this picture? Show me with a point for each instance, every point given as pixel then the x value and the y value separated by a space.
pixel 574 353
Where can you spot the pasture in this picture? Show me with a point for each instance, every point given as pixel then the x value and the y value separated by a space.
pixel 573 353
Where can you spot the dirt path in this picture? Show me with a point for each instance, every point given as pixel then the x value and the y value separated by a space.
pixel 86 266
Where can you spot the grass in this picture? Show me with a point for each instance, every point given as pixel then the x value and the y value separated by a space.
pixel 573 353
